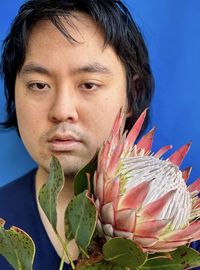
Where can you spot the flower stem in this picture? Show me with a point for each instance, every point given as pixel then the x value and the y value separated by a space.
pixel 64 245
pixel 62 261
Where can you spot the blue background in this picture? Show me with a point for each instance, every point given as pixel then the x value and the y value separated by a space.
pixel 172 32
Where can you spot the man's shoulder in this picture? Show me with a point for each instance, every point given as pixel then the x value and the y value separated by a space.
pixel 21 182
pixel 17 190
pixel 16 199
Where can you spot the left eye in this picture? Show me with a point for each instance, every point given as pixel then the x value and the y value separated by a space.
pixel 89 86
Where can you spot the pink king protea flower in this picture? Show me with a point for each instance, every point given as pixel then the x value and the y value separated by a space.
pixel 140 196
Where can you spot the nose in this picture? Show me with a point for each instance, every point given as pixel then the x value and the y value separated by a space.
pixel 64 106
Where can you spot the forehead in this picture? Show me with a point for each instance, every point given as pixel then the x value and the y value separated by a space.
pixel 81 43
pixel 75 28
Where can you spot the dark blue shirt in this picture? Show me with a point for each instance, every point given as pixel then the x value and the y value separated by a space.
pixel 18 207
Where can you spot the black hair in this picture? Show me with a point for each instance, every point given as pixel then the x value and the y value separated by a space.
pixel 119 30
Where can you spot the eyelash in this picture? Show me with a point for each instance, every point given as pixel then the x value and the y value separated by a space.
pixel 34 86
pixel 94 87
pixel 40 86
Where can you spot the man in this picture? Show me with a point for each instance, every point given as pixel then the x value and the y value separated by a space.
pixel 68 67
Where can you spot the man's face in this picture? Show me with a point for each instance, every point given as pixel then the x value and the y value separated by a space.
pixel 68 94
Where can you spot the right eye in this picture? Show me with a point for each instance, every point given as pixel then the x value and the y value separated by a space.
pixel 38 86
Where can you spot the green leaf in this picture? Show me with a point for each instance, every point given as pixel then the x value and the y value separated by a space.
pixel 124 253
pixel 17 247
pixel 80 180
pixel 80 220
pixel 49 192
pixel 182 258
pixel 187 257
pixel 161 264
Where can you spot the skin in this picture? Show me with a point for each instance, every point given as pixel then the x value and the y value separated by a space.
pixel 67 96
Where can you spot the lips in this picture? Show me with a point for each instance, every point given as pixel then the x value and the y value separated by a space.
pixel 63 143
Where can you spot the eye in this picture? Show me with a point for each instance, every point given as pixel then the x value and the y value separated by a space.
pixel 38 86
pixel 90 86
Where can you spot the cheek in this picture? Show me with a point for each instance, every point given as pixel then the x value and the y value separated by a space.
pixel 28 121
pixel 101 115
pixel 101 121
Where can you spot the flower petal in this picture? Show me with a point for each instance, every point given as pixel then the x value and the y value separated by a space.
pixel 186 173
pixel 196 204
pixel 114 159
pixel 162 151
pixel 99 227
pixel 146 141
pixel 135 196
pixel 97 204
pixel 145 241
pixel 153 209
pixel 177 157
pixel 111 191
pixel 125 220
pixel 195 185
pixel 108 229
pixel 127 235
pixel 133 134
pixel 183 234
pixel 151 228
pixel 196 236
pixel 95 183
pixel 107 213
pixel 118 123
pixel 100 187
pixel 163 246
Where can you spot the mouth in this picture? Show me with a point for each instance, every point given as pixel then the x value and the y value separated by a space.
pixel 63 143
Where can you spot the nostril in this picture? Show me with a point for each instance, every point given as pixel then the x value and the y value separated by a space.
pixel 58 115
pixel 64 105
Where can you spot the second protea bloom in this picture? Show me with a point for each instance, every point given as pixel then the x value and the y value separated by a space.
pixel 140 196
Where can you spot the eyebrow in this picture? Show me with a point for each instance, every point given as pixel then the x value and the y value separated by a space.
pixel 34 68
pixel 90 68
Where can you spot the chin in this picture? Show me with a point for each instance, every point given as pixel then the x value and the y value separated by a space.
pixel 70 164
pixel 70 171
pixel 71 167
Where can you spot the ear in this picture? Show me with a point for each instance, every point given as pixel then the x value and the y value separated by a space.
pixel 128 113
pixel 136 78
